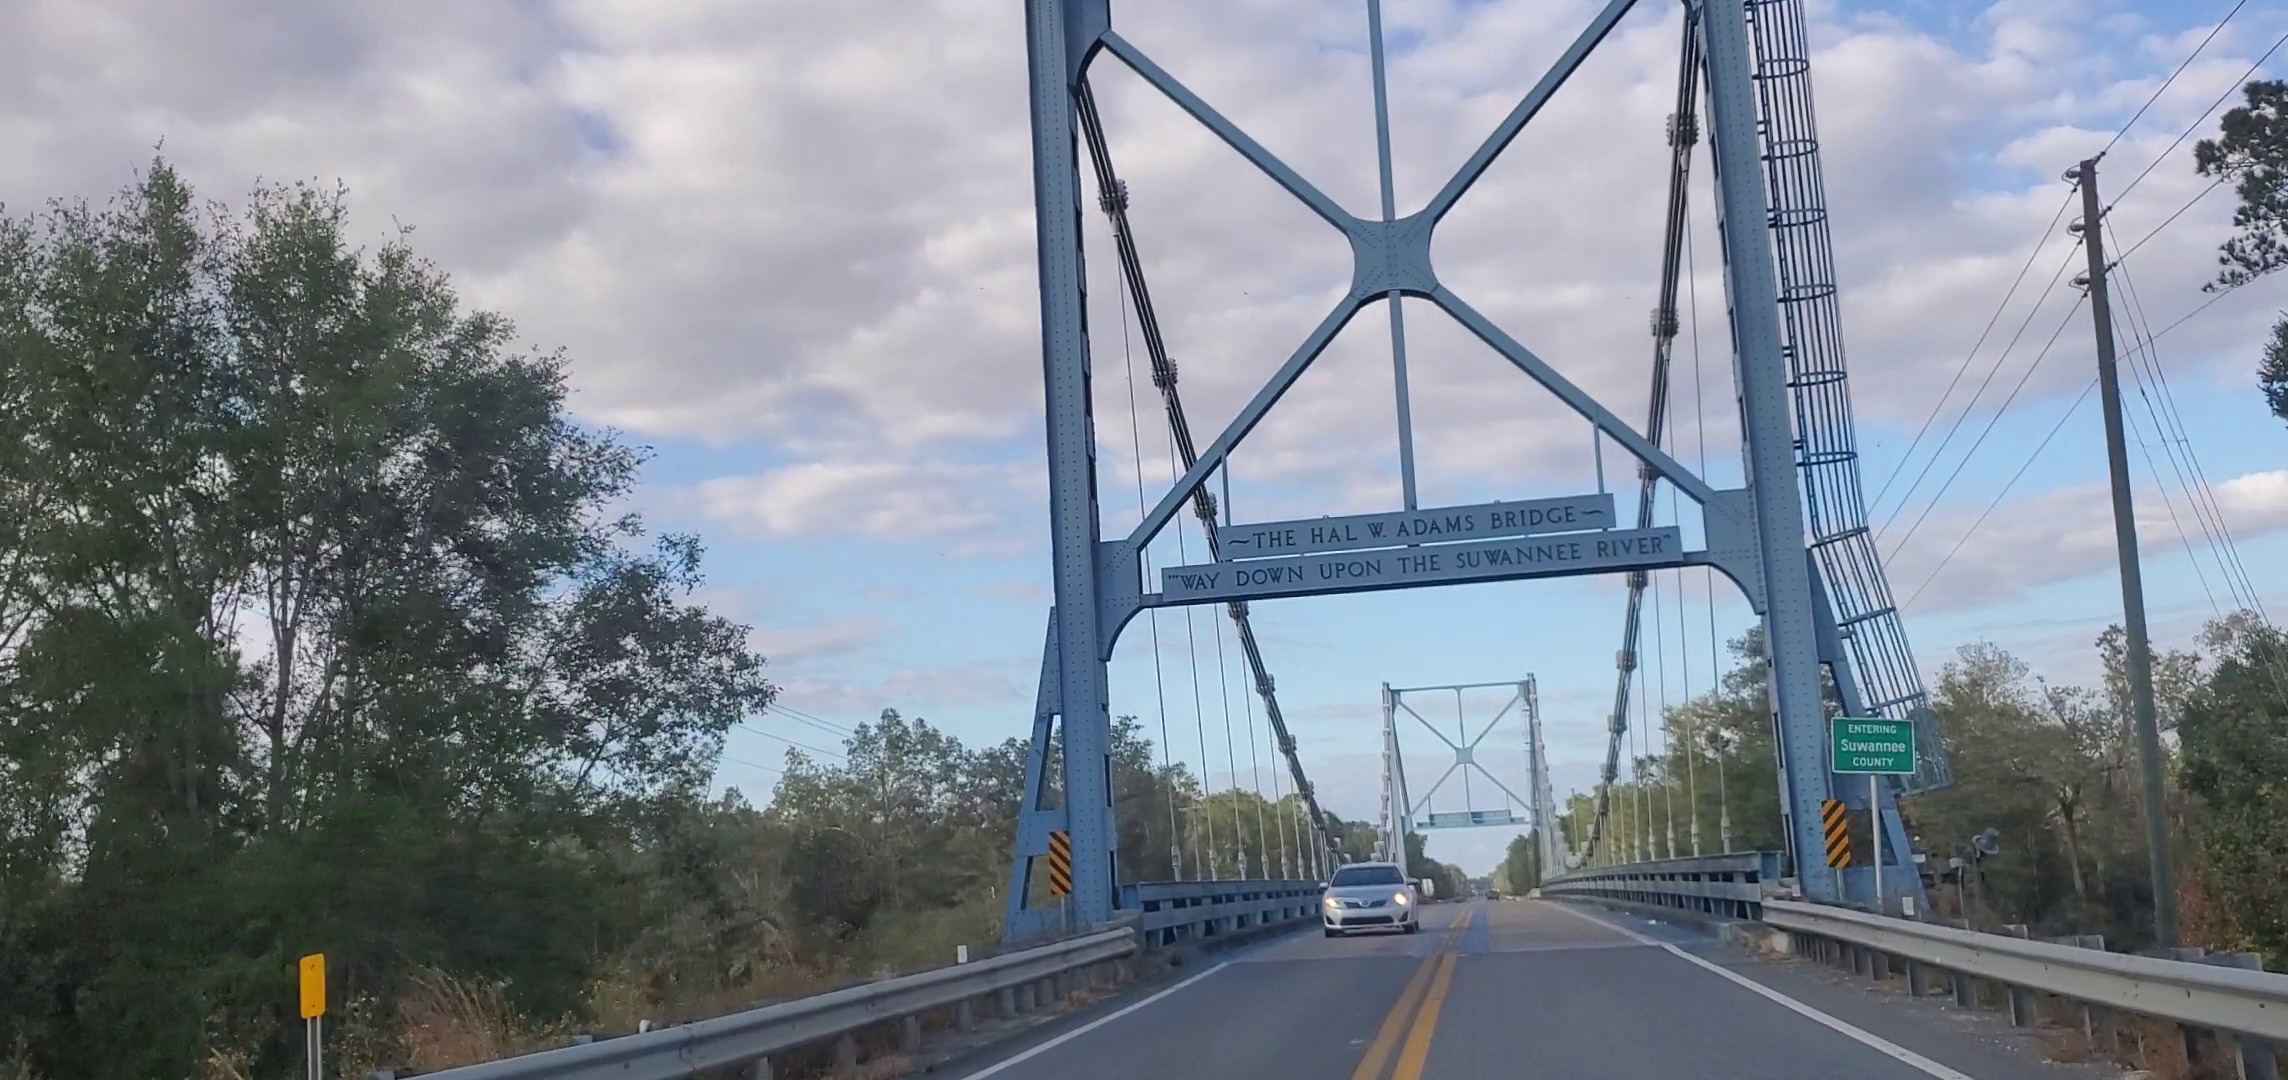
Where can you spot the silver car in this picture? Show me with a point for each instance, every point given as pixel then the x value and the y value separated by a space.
pixel 1370 895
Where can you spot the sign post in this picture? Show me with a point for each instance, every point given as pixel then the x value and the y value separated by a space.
pixel 1875 746
pixel 313 972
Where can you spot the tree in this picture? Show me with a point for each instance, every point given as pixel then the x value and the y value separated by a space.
pixel 2251 151
pixel 2234 736
pixel 317 631
pixel 1520 869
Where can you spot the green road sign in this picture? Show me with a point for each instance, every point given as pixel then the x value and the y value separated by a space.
pixel 1858 744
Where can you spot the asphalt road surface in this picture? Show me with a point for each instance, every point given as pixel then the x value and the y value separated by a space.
pixel 1512 989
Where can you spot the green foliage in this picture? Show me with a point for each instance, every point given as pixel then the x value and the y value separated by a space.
pixel 1520 869
pixel 2251 151
pixel 315 634
pixel 2234 737
pixel 2054 768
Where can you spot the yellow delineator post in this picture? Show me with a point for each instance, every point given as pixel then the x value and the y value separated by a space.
pixel 313 972
pixel 1060 874
pixel 1060 862
pixel 1837 827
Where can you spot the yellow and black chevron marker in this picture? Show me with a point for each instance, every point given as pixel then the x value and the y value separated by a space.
pixel 1060 862
pixel 1838 832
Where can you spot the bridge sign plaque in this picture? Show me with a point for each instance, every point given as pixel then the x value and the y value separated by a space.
pixel 1463 819
pixel 1857 744
pixel 1438 525
pixel 1487 560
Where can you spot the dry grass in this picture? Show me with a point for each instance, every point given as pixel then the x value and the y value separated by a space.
pixel 885 1067
pixel 2064 1044
pixel 445 1021
pixel 18 1064
pixel 2161 1049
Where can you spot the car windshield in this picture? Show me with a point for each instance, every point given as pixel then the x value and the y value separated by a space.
pixel 1367 875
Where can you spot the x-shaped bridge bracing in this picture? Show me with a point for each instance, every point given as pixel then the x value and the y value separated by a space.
pixel 1755 534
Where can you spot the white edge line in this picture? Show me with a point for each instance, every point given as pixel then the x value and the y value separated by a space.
pixel 1867 1038
pixel 1092 1025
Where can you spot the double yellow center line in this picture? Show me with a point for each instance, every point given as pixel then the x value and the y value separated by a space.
pixel 1415 1017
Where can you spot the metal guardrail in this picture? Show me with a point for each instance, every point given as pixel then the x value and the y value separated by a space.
pixel 749 1039
pixel 2220 998
pixel 2225 993
pixel 1177 911
pixel 1732 886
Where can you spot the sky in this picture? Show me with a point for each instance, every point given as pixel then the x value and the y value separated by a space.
pixel 789 247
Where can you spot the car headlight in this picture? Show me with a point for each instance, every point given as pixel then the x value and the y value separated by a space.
pixel 1401 899
pixel 1331 903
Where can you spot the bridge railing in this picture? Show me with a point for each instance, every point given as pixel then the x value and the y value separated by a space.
pixel 1018 981
pixel 1732 886
pixel 2227 1008
pixel 1173 912
pixel 1154 914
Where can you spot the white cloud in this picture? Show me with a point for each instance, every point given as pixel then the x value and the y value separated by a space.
pixel 879 500
pixel 2254 503
pixel 2063 534
pixel 778 220
pixel 843 636
pixel 808 226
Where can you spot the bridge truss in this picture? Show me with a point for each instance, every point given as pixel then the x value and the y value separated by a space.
pixel 1402 812
pixel 1754 535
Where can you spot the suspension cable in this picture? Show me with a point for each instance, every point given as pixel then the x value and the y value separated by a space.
pixel 1230 751
pixel 1255 769
pixel 1660 724
pixel 1684 679
pixel 1114 201
pixel 1159 685
pixel 1200 724
pixel 1707 574
pixel 1637 769
pixel 1278 797
pixel 1683 134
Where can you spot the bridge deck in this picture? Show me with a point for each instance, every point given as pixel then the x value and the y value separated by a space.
pixel 1517 989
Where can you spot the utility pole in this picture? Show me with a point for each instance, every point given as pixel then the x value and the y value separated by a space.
pixel 2140 659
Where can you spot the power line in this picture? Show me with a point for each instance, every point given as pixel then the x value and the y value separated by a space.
pixel 752 765
pixel 2014 477
pixel 1972 405
pixel 2213 31
pixel 801 717
pixel 2202 119
pixel 2040 242
pixel 837 755
pixel 2169 502
pixel 2170 220
pixel 2197 486
pixel 1987 430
